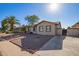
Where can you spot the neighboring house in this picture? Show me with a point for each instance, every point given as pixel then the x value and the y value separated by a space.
pixel 17 25
pixel 17 29
pixel 76 25
pixel 74 30
pixel 21 29
pixel 47 28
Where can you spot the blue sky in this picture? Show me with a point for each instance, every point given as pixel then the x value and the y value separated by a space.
pixel 67 14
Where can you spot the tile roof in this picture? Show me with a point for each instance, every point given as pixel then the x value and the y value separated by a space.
pixel 56 23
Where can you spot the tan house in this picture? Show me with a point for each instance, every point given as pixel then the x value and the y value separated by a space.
pixel 47 28
pixel 74 30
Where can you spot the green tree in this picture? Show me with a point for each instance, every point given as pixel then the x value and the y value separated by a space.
pixel 12 20
pixel 4 25
pixel 32 19
pixel 23 29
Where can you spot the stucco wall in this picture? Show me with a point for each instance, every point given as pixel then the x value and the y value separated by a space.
pixel 44 24
pixel 73 32
pixel 59 31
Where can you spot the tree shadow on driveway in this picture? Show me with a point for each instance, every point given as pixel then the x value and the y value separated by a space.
pixel 33 42
pixel 55 43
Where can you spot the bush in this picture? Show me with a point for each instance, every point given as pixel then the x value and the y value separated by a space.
pixel 23 29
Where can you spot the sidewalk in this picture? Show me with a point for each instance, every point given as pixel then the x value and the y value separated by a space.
pixel 9 49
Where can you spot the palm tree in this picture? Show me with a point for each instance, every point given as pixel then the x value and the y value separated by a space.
pixel 4 25
pixel 12 20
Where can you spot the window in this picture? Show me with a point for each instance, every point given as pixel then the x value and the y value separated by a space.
pixel 48 28
pixel 41 28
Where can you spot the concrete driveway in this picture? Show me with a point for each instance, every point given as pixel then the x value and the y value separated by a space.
pixel 56 47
